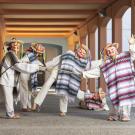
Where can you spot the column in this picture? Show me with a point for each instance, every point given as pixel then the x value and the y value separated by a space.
pixel 102 44
pixel 133 17
pixel 2 36
pixel 92 82
pixel 117 31
pixel 83 81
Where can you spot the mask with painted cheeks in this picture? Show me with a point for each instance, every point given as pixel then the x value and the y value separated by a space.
pixel 81 53
pixel 15 47
pixel 111 51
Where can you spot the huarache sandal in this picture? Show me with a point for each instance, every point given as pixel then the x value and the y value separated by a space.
pixel 112 118
pixel 35 108
pixel 62 114
pixel 16 116
pixel 125 119
pixel 26 110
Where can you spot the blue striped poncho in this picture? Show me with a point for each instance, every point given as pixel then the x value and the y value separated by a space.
pixel 69 83
pixel 33 77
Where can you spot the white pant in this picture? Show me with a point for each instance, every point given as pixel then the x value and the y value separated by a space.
pixel 125 111
pixel 63 103
pixel 8 94
pixel 25 94
pixel 25 98
pixel 121 111
pixel 46 86
pixel 44 90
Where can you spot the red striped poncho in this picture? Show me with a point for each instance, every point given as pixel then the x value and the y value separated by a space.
pixel 119 77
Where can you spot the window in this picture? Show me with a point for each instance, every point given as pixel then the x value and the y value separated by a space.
pixel 126 29
pixel 109 32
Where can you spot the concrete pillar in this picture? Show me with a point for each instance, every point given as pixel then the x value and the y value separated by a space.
pixel 2 37
pixel 133 17
pixel 117 31
pixel 92 82
pixel 83 81
pixel 72 40
pixel 102 44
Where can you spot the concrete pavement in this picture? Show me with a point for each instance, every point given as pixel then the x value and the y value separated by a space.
pixel 77 122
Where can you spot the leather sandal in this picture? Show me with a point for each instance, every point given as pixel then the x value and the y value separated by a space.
pixel 35 108
pixel 112 118
pixel 125 119
pixel 62 114
pixel 26 110
pixel 16 116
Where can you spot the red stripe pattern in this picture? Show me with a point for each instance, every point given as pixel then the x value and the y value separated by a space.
pixel 119 77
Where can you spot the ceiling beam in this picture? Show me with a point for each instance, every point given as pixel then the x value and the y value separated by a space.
pixel 55 1
pixel 13 31
pixel 83 16
pixel 19 23
pixel 46 12
pixel 38 34
pixel 43 26
pixel 44 20
pixel 38 29
pixel 36 6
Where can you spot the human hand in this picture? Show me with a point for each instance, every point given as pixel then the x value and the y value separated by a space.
pixel 131 40
pixel 101 62
pixel 42 68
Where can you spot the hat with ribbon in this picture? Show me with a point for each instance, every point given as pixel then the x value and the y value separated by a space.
pixel 13 40
pixel 38 48
pixel 116 45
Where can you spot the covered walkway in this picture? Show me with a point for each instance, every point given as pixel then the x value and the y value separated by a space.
pixel 58 24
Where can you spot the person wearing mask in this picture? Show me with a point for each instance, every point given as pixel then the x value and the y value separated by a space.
pixel 10 70
pixel 118 72
pixel 66 71
pixel 29 82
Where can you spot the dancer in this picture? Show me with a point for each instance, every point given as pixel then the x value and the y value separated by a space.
pixel 118 71
pixel 66 72
pixel 26 91
pixel 11 67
